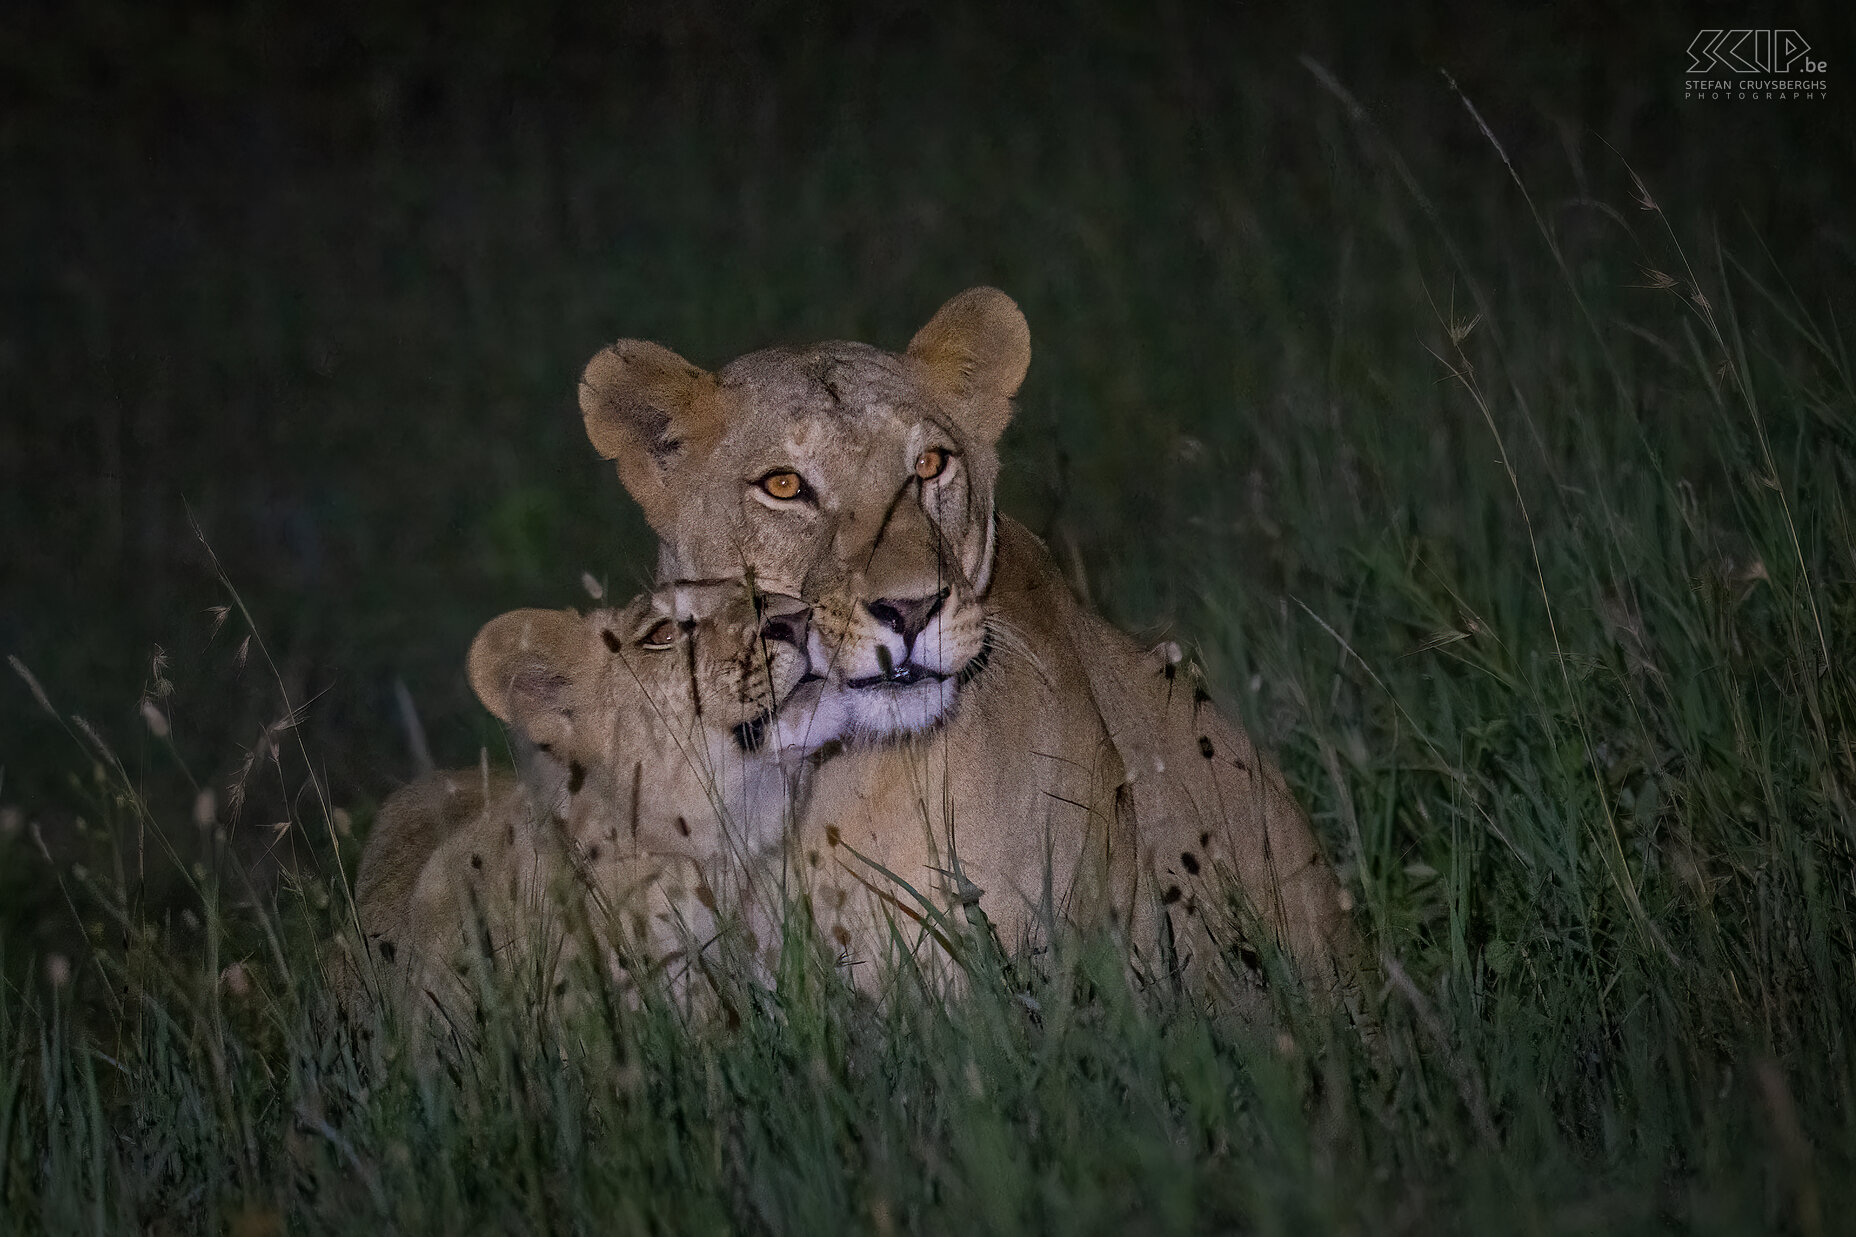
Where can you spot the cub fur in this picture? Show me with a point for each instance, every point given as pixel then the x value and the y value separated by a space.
pixel 660 763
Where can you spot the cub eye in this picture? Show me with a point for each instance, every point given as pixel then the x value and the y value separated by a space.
pixel 783 484
pixel 662 635
pixel 931 463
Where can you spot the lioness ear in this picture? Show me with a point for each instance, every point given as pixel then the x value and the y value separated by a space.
pixel 651 412
pixel 976 349
pixel 522 666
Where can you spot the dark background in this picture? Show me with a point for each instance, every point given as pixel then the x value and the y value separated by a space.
pixel 321 281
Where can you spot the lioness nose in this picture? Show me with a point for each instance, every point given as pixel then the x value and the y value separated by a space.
pixel 906 616
pixel 789 627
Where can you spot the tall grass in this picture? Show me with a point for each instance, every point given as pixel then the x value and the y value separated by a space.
pixel 1508 499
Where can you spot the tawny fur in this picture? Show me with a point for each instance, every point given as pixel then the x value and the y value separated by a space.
pixel 638 823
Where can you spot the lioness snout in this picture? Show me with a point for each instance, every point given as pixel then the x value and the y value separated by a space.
pixel 906 616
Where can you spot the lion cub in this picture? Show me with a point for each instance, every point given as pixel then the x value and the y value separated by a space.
pixel 662 746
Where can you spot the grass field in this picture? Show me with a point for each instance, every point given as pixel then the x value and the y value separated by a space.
pixel 1495 451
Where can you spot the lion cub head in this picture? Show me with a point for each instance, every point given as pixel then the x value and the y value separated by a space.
pixel 859 479
pixel 663 726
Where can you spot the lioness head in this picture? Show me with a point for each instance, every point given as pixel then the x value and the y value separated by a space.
pixel 647 716
pixel 859 479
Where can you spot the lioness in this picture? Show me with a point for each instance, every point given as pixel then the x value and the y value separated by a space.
pixel 663 746
pixel 991 722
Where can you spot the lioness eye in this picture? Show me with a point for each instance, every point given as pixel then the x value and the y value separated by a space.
pixel 783 485
pixel 661 636
pixel 931 463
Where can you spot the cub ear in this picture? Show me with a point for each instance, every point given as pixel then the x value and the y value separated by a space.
pixel 522 666
pixel 651 412
pixel 976 350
